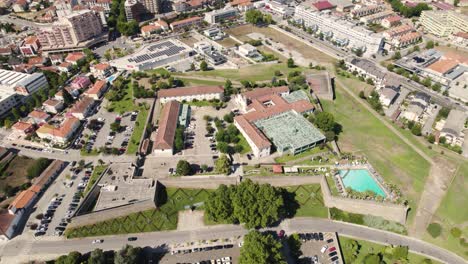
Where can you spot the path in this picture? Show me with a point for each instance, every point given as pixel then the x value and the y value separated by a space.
pixel 436 183
pixel 24 250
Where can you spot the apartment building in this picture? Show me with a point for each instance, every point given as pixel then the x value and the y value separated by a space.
pixel 377 17
pixel 366 11
pixel 397 31
pixel 443 23
pixel 407 39
pixel 185 23
pixel 72 29
pixel 348 34
pixel 217 16
pixel 30 46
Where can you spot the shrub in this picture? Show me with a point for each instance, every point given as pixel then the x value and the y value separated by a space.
pixel 434 229
pixel 456 232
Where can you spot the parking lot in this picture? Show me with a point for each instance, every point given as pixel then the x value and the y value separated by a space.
pixel 59 202
pixel 321 248
pixel 101 135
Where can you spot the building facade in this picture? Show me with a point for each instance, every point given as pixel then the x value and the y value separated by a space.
pixel 443 23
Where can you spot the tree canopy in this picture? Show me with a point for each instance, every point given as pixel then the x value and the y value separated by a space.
pixel 127 255
pixel 223 164
pixel 183 168
pixel 261 249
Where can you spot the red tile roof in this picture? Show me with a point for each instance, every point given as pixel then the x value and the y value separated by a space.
pixel 22 199
pixel 82 105
pixel 61 131
pixel 167 126
pixel 187 20
pixel 259 92
pixel 185 91
pixel 101 66
pixel 97 87
pixel 39 114
pixel 323 5
pixel 22 126
pixel 30 40
pixel 75 56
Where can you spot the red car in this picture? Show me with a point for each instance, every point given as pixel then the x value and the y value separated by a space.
pixel 332 249
pixel 281 234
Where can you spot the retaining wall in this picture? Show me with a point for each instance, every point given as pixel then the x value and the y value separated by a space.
pixel 389 211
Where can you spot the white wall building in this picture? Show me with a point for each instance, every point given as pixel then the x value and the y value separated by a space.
pixel 340 30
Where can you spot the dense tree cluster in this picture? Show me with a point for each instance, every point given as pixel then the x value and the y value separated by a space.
pixel 256 205
pixel 179 139
pixel 139 91
pixel 326 122
pixel 297 81
pixel 256 17
pixel 118 90
pixel 261 249
pixel 407 11
pixel 183 168
pixel 39 166
pixel 223 165
pixel 127 255
pixel 118 20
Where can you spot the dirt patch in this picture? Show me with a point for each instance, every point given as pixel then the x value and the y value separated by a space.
pixel 190 220
pixel 17 171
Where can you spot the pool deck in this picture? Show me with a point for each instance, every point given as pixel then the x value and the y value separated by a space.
pixel 377 178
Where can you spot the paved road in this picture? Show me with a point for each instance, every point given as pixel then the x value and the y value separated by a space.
pixel 26 250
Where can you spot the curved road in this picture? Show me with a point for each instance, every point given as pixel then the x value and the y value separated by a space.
pixel 23 249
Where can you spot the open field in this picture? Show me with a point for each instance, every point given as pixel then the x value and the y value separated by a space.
pixel 310 200
pixel 146 221
pixel 134 142
pixel 126 104
pixel 367 247
pixel 391 157
pixel 15 173
pixel 293 44
pixel 227 42
pixel 195 82
pixel 258 72
pixel 452 215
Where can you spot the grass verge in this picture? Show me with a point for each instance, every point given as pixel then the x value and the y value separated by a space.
pixel 98 170
pixel 138 130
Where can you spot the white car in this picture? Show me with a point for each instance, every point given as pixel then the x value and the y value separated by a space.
pixel 324 248
pixel 97 241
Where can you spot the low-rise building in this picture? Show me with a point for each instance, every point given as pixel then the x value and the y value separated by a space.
pixel 61 133
pixel 245 99
pixel 186 23
pixel 75 57
pixel 53 106
pixel 366 11
pixel 23 128
pixel 453 128
pixel 278 7
pixel 101 70
pixel 418 104
pixel 65 67
pixel 82 108
pixel 397 31
pixel 220 15
pixel 367 69
pixel 199 93
pixel 30 46
pixel 154 28
pixel 209 53
pixel 388 94
pixel 391 21
pixel 407 39
pixel 39 116
pixel 248 50
pixel 377 17
pixel 81 82
pixel 164 140
pixel 97 90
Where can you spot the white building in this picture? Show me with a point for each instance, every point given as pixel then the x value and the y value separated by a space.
pixel 341 31
pixel 248 50
pixel 220 15
pixel 199 93
pixel 453 128
pixel 279 8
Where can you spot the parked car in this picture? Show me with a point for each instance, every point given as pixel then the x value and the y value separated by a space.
pixel 97 241
pixel 132 238
pixel 332 254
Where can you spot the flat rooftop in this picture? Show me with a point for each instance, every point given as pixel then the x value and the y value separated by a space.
pixel 289 130
pixel 119 187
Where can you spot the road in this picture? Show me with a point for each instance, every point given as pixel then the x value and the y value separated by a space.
pixel 23 250
pixel 21 22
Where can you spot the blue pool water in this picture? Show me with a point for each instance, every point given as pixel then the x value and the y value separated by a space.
pixel 361 181
pixel 111 79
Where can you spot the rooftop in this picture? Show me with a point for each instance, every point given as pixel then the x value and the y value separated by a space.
pixel 454 123
pixel 167 126
pixel 22 199
pixel 193 90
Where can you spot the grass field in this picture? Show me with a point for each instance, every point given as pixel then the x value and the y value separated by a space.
pixel 391 157
pixel 98 170
pixel 307 51
pixel 134 142
pixel 367 247
pixel 146 221
pixel 452 215
pixel 245 145
pixel 194 82
pixel 310 200
pixel 257 72
pixel 126 104
pixel 15 173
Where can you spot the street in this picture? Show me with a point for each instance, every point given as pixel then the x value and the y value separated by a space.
pixel 23 250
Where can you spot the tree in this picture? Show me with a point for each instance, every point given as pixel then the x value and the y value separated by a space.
pixel 416 130
pixel 362 95
pixel 115 126
pixel 352 251
pixel 396 56
pixel 218 206
pixel 72 258
pixel 223 147
pixel 294 244
pixel 204 167
pixel 431 138
pixel 97 257
pixel 290 63
pixel 254 16
pixel 257 205
pixel 430 44
pixel 330 135
pixel 372 259
pixel 261 249
pixel 434 229
pixel 325 121
pixel 223 164
pixel 228 87
pixel 16 113
pixel 183 168
pixel 203 65
pixel 67 98
pixel 128 255
pixel 427 82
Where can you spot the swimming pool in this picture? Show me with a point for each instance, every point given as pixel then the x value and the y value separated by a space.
pixel 360 180
pixel 111 79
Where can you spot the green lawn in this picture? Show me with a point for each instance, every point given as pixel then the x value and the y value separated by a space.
pixel 126 104
pixel 203 103
pixel 451 214
pixel 367 247
pixel 98 170
pixel 391 157
pixel 310 200
pixel 146 221
pixel 257 72
pixel 289 157
pixel 195 82
pixel 332 186
pixel 245 145
pixel 138 130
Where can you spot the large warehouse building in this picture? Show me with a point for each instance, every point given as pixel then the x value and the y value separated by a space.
pixel 154 55
pixel 272 119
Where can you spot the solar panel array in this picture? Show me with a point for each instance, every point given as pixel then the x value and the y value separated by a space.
pixel 155 51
